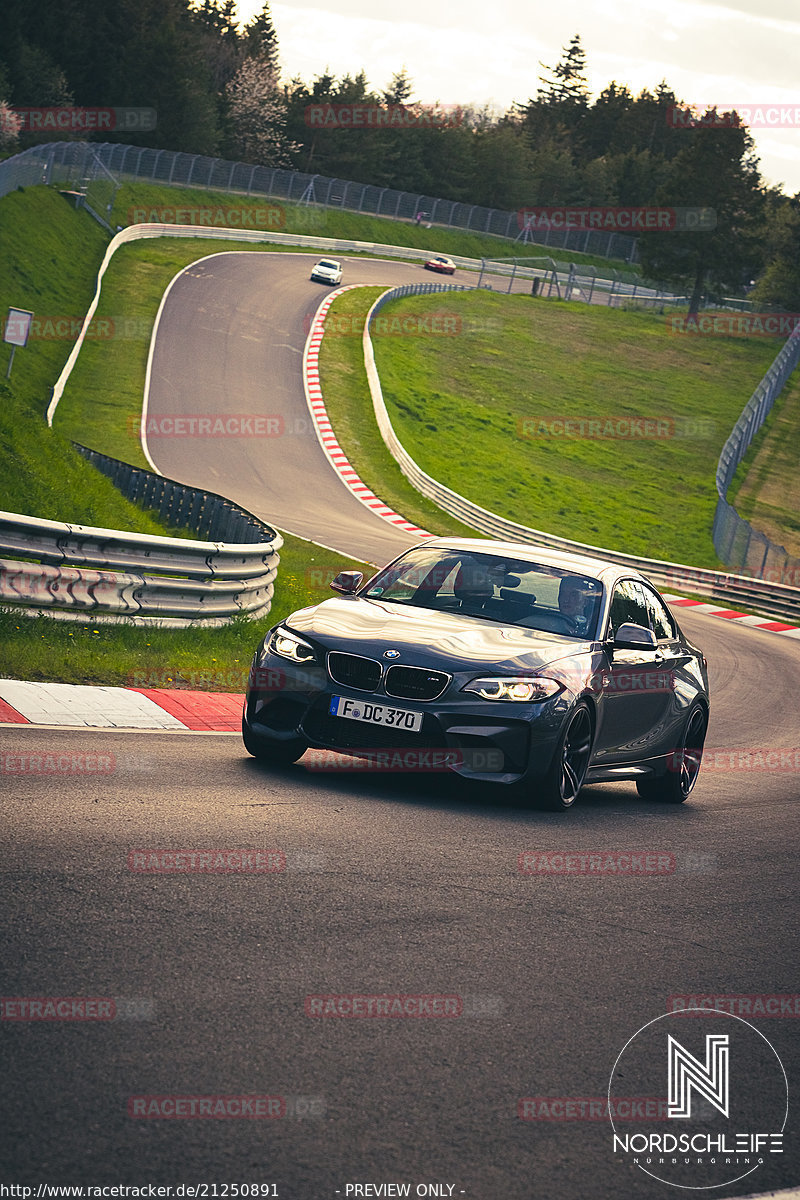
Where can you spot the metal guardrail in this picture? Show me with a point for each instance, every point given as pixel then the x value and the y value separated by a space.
pixel 735 540
pixel 206 514
pixel 79 571
pixel 779 598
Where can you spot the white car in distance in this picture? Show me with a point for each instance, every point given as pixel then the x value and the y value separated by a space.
pixel 327 270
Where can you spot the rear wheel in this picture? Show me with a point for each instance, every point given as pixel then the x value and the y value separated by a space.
pixel 276 754
pixel 559 788
pixel 683 766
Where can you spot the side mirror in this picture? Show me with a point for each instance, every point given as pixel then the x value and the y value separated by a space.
pixel 634 637
pixel 347 582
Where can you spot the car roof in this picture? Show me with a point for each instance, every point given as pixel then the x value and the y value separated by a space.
pixel 583 564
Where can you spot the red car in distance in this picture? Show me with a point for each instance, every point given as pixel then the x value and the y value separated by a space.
pixel 445 266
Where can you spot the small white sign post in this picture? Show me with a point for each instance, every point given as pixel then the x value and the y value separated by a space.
pixel 18 326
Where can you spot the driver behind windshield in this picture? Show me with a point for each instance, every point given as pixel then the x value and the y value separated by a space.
pixel 575 602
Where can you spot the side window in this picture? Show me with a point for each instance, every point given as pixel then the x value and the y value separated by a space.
pixel 661 622
pixel 628 604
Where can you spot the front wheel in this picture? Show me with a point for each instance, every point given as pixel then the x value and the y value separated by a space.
pixel 275 754
pixel 683 764
pixel 559 788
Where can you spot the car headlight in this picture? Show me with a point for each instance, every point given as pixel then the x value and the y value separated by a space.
pixel 510 687
pixel 289 645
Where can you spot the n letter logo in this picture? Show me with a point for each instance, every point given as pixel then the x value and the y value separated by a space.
pixel 685 1072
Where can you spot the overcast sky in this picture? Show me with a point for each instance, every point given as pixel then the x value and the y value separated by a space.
pixel 732 52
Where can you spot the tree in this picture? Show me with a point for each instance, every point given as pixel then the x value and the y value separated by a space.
pixel 780 284
pixel 223 46
pixel 262 40
pixel 503 169
pixel 400 89
pixel 257 116
pixel 717 171
pixel 567 83
pixel 10 126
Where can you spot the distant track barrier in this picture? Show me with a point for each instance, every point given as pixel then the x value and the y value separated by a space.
pixel 735 540
pixel 86 165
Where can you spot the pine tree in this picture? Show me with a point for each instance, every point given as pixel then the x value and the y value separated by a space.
pixel 262 40
pixel 567 83
pixel 718 171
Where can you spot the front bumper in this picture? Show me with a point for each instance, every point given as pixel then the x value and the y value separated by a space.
pixel 495 741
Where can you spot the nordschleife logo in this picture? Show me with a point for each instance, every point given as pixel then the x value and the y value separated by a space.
pixel 722 1088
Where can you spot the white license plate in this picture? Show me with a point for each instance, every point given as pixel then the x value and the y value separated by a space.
pixel 375 714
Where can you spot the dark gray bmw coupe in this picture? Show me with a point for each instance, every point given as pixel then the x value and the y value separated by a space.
pixel 500 661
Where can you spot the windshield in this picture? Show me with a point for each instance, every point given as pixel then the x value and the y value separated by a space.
pixel 493 587
pixel 326 262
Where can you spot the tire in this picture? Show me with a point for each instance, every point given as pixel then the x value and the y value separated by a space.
pixel 559 788
pixel 675 785
pixel 275 754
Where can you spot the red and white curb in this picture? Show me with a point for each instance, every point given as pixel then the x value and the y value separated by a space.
pixel 327 439
pixel 85 706
pixel 729 614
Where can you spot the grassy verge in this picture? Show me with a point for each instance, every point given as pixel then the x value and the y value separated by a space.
pixel 49 257
pixel 766 487
pixel 137 202
pixel 349 405
pixel 510 366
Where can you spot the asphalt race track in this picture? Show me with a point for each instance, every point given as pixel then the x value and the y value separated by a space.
pixel 393 884
pixel 230 342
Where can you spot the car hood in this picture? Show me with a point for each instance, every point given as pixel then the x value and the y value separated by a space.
pixel 427 638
